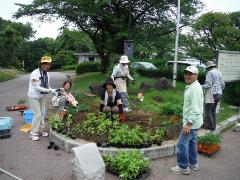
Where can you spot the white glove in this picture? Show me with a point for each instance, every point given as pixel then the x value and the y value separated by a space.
pixel 53 92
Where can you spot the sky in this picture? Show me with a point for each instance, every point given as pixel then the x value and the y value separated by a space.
pixel 47 29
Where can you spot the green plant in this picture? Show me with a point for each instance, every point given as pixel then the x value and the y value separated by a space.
pixel 69 121
pixel 83 107
pixel 209 139
pixel 129 165
pixel 170 109
pixel 159 135
pixel 56 122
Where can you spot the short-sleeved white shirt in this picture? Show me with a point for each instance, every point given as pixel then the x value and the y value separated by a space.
pixel 32 91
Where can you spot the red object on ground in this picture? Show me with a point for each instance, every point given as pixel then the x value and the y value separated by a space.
pixel 16 108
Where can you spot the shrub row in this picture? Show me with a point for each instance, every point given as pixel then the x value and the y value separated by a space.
pixel 168 73
pixel 88 67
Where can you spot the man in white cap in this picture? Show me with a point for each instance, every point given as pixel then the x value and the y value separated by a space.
pixel 119 75
pixel 214 84
pixel 192 121
pixel 38 88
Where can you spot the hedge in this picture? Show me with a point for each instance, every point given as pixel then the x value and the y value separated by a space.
pixel 168 73
pixel 88 67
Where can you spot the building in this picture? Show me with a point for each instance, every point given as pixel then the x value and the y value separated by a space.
pixel 87 57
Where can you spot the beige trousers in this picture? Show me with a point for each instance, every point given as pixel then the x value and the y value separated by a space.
pixel 38 107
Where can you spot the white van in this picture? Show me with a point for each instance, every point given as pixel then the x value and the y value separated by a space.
pixel 187 62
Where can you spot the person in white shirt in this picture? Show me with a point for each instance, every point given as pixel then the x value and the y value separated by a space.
pixel 39 87
pixel 119 76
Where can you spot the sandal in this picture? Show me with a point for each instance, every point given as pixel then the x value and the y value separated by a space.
pixel 33 136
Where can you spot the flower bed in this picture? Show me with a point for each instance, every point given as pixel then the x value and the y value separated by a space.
pixel 107 130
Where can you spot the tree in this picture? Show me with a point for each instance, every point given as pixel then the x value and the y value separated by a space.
pixel 12 36
pixel 105 21
pixel 214 31
pixel 31 51
pixel 73 41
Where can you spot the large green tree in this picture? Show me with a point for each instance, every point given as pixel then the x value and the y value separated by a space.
pixel 106 21
pixel 212 31
pixel 73 40
pixel 12 36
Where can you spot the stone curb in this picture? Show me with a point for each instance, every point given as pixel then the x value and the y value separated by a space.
pixel 153 152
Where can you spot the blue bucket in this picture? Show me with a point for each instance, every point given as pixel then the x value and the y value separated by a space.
pixel 28 116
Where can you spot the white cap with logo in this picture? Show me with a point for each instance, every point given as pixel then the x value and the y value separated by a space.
pixel 192 69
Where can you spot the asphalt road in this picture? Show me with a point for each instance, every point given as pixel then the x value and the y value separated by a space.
pixel 33 161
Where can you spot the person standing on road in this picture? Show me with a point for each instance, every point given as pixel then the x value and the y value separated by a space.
pixel 213 86
pixel 39 87
pixel 120 75
pixel 192 121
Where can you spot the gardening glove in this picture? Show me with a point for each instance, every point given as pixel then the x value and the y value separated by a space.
pixel 122 117
pixel 53 92
pixel 134 81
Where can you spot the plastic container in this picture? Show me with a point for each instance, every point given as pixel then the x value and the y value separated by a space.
pixel 28 116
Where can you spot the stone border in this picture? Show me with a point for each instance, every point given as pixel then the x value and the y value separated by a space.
pixel 154 152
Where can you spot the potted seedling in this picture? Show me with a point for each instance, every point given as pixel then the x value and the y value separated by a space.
pixel 128 165
pixel 209 144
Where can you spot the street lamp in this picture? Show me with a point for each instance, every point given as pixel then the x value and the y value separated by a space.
pixel 176 46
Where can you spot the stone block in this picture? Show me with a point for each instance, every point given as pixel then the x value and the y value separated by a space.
pixel 87 163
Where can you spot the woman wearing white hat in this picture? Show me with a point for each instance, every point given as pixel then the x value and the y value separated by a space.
pixel 119 75
pixel 38 88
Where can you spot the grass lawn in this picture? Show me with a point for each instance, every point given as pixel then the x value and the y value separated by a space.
pixel 4 76
pixel 169 102
pixel 7 74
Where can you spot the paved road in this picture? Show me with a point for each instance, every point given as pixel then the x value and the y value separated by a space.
pixel 32 161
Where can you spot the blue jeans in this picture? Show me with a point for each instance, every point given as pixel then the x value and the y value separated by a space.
pixel 187 149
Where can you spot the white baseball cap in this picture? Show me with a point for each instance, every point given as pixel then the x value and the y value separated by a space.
pixel 192 69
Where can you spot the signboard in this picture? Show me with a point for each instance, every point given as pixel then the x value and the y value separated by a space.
pixel 229 64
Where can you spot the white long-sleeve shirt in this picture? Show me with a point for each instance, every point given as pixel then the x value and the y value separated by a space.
pixel 121 71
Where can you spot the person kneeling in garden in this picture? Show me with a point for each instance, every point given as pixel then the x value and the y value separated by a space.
pixel 64 97
pixel 111 99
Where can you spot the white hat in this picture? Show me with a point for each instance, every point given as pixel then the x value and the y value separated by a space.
pixel 124 59
pixel 210 64
pixel 192 69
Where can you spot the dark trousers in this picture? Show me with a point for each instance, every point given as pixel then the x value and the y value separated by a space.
pixel 210 113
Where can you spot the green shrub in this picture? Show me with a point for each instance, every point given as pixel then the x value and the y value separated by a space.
pixel 88 67
pixel 232 90
pixel 69 67
pixel 170 109
pixel 62 58
pixel 167 72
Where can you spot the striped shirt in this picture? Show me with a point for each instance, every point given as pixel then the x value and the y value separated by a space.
pixel 214 81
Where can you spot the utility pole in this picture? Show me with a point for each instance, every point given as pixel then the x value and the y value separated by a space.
pixel 128 44
pixel 176 46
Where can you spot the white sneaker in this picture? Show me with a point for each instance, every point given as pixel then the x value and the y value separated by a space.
pixel 43 133
pixel 179 170
pixel 194 167
pixel 33 136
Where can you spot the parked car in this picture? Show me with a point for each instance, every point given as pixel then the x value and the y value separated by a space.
pixel 183 64
pixel 143 65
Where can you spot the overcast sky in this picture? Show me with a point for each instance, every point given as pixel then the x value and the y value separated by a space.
pixel 7 9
